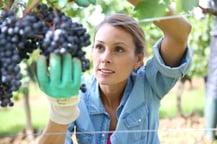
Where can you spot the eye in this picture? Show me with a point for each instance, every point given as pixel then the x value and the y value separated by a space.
pixel 99 47
pixel 119 49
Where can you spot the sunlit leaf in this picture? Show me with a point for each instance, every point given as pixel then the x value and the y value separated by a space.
pixel 62 2
pixel 151 8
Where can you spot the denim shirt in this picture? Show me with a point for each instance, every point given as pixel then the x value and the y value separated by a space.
pixel 138 112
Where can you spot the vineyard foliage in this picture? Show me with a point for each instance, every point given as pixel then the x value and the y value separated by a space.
pixel 90 15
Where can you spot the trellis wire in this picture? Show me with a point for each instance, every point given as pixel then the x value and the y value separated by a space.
pixel 151 19
pixel 176 130
pixel 147 20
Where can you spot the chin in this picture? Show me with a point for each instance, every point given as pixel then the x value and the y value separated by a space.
pixel 103 81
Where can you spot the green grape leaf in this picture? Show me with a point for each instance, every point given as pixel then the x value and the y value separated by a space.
pixel 188 5
pixel 151 8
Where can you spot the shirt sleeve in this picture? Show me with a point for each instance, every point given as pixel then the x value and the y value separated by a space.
pixel 173 72
pixel 162 77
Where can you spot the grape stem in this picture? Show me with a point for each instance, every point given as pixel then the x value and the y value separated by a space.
pixel 33 4
pixel 9 5
pixel 37 36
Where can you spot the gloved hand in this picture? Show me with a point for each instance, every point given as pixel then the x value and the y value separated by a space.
pixel 85 3
pixel 61 82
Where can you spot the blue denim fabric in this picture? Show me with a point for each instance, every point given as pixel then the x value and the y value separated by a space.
pixel 138 112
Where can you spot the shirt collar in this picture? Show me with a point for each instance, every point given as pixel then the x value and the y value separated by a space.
pixel 95 103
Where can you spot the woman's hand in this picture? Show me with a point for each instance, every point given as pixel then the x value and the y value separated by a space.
pixel 61 82
pixel 61 79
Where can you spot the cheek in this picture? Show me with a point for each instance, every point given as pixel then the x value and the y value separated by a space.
pixel 95 59
pixel 127 64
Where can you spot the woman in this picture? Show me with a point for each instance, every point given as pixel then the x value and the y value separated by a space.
pixel 122 99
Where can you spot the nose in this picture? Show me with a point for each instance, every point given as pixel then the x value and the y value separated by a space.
pixel 106 57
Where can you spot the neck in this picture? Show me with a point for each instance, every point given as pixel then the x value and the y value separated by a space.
pixel 111 95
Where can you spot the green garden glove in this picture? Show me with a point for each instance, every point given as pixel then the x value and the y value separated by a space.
pixel 61 82
pixel 85 3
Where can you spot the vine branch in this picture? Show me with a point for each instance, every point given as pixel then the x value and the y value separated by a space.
pixel 28 10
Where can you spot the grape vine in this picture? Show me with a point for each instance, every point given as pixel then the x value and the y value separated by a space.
pixel 44 28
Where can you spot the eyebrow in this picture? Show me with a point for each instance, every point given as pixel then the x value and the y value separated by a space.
pixel 117 43
pixel 100 41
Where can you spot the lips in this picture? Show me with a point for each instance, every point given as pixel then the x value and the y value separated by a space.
pixel 106 71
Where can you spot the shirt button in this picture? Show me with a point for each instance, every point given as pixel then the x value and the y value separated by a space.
pixel 103 135
pixel 139 120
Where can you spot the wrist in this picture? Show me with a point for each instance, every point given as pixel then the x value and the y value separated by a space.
pixel 64 110
pixel 64 115
pixel 64 102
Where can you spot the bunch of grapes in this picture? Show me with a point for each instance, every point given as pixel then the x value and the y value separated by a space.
pixel 45 28
pixel 62 35
pixel 9 58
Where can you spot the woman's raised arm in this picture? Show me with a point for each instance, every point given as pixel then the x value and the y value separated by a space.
pixel 176 32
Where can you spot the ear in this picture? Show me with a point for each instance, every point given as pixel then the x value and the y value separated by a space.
pixel 139 61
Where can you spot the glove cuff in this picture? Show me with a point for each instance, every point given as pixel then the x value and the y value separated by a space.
pixel 64 102
pixel 64 110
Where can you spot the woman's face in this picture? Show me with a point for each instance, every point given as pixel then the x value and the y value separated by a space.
pixel 113 55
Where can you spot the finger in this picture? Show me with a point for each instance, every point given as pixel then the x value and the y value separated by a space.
pixel 67 69
pixel 55 68
pixel 76 68
pixel 92 1
pixel 41 72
